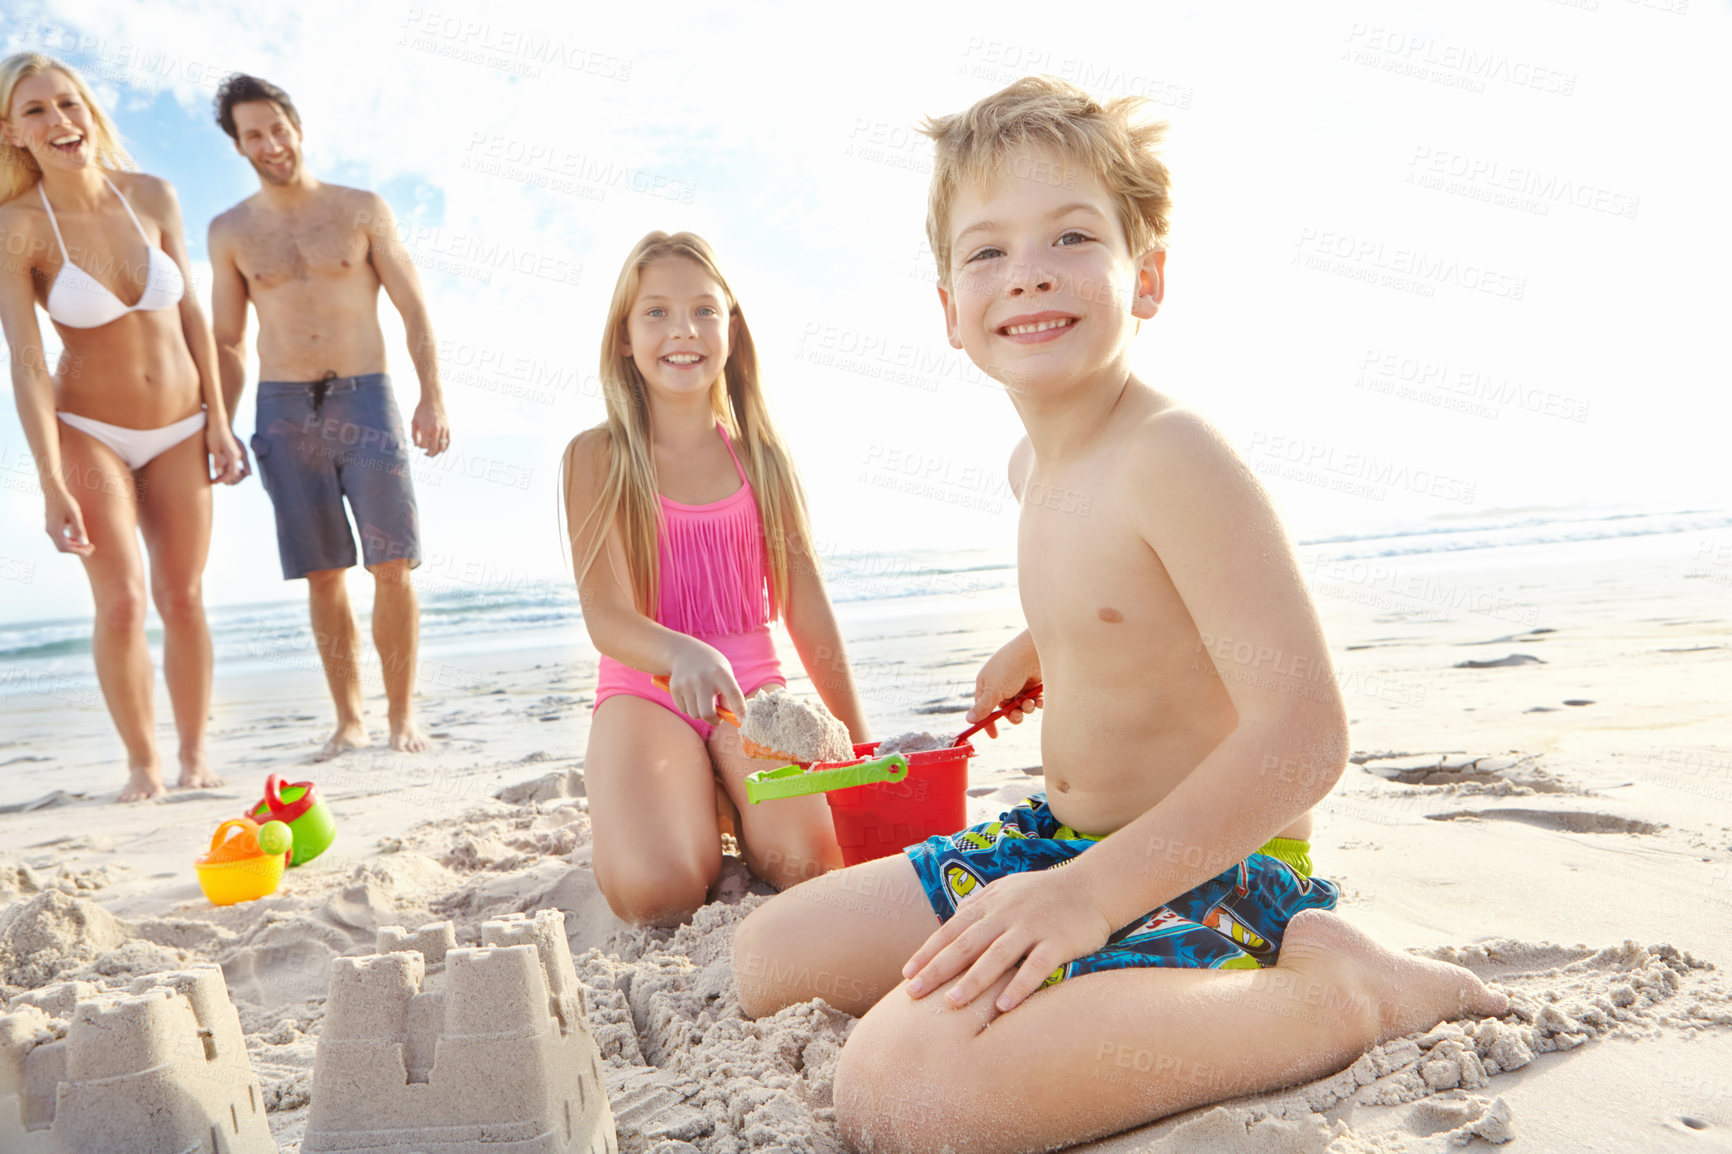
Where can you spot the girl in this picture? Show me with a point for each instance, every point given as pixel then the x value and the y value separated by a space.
pixel 130 431
pixel 689 535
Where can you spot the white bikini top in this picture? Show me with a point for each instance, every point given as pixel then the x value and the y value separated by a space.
pixel 80 301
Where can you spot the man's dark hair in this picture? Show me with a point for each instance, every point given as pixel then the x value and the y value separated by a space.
pixel 239 88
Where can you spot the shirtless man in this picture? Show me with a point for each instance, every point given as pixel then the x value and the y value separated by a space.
pixel 1147 935
pixel 311 258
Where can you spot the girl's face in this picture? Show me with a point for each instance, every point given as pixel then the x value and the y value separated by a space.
pixel 50 119
pixel 677 330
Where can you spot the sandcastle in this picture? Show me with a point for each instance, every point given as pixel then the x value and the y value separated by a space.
pixel 158 1069
pixel 428 1047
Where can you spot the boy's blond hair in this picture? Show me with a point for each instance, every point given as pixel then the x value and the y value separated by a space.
pixel 973 147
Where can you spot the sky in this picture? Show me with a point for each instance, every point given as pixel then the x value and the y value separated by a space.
pixel 1428 260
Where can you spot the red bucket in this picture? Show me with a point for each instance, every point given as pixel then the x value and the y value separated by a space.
pixel 879 805
pixel 874 821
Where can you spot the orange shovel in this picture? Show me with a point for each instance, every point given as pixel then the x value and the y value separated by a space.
pixel 751 748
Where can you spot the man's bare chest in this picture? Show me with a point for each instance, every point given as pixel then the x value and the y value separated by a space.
pixel 276 254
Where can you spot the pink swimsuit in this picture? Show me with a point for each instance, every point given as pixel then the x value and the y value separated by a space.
pixel 712 587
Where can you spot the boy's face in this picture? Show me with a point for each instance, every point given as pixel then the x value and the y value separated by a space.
pixel 1043 290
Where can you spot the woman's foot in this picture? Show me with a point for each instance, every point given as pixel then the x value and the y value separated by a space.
pixel 196 773
pixel 1399 993
pixel 348 736
pixel 143 783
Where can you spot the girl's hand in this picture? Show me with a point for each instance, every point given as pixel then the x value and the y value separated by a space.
pixel 1006 673
pixel 228 461
pixel 699 674
pixel 1041 920
pixel 65 523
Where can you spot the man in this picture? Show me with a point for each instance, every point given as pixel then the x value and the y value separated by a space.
pixel 311 258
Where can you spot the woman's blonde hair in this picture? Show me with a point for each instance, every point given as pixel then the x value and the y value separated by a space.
pixel 18 169
pixel 1113 140
pixel 628 495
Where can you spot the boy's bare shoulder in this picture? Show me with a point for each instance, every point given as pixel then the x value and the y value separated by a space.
pixel 1178 446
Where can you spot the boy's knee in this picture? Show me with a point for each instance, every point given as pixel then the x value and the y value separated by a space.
pixel 755 941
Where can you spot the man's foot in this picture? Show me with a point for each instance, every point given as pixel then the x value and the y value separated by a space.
pixel 406 737
pixel 1399 992
pixel 143 784
pixel 196 773
pixel 346 738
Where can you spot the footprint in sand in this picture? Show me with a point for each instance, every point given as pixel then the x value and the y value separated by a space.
pixel 1566 821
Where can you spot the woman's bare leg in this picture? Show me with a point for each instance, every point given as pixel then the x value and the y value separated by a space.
pixel 1107 1051
pixel 107 494
pixel 652 812
pixel 174 510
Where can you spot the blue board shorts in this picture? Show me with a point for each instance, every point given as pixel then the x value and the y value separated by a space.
pixel 1232 921
pixel 317 442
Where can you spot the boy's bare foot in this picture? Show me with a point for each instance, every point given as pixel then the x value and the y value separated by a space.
pixel 196 773
pixel 1402 992
pixel 346 738
pixel 406 737
pixel 143 784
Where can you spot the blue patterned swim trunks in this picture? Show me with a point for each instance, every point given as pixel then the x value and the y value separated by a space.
pixel 1232 921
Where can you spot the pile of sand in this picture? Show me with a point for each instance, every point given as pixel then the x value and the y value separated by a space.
pixel 911 743
pixel 803 731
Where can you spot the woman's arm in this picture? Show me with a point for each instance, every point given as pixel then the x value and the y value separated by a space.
pixel 697 672
pixel 811 623
pixel 228 465
pixel 32 385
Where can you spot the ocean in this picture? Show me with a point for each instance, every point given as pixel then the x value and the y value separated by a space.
pixel 53 656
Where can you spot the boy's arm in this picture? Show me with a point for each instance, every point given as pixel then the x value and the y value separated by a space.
pixel 1215 531
pixel 429 428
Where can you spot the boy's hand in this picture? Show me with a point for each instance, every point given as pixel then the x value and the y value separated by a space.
pixel 1006 673
pixel 1042 920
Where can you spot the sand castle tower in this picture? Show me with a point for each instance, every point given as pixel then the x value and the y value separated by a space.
pixel 159 1069
pixel 487 1050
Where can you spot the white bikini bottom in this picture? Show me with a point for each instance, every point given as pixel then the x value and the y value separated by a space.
pixel 137 447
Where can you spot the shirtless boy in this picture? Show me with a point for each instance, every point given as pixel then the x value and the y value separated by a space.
pixel 1183 954
pixel 311 258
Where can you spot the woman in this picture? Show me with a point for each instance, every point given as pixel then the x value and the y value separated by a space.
pixel 136 395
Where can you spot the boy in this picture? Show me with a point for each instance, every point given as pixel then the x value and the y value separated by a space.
pixel 1192 722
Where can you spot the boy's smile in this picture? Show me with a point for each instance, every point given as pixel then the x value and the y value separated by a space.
pixel 1043 289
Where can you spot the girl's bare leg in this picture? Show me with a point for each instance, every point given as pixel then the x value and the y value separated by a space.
pixel 652 812
pixel 786 841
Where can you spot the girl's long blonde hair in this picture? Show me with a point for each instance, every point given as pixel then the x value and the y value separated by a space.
pixel 18 169
pixel 628 496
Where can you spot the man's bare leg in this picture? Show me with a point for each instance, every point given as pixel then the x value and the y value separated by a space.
pixel 339 642
pixel 396 633
pixel 1104 1052
pixel 174 510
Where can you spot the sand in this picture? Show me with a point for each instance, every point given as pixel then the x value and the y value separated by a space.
pixel 1577 856
pixel 796 728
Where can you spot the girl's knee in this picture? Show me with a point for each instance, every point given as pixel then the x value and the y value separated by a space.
pixel 668 898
